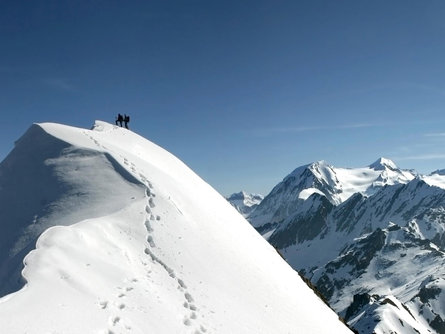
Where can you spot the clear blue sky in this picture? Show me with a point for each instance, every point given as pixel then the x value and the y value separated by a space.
pixel 241 91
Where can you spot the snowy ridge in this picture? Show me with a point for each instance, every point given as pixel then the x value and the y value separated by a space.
pixel 135 251
pixel 336 184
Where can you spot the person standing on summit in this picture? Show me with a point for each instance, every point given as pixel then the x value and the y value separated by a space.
pixel 119 119
pixel 126 121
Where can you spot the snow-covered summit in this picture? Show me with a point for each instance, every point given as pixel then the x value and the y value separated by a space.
pixel 130 240
pixel 383 163
pixel 335 184
pixel 247 199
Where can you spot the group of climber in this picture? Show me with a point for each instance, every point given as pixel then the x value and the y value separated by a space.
pixel 125 119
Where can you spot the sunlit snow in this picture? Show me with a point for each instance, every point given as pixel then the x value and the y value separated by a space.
pixel 135 242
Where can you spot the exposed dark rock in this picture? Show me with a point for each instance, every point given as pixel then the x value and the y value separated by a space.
pixel 393 228
pixel 345 215
pixel 438 324
pixel 325 286
pixel 266 227
pixel 388 301
pixel 357 304
pixel 303 227
pixel 425 294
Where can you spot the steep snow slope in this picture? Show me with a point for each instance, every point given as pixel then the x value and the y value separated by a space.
pixel 134 242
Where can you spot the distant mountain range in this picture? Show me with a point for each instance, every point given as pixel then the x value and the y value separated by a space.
pixel 371 239
pixel 245 203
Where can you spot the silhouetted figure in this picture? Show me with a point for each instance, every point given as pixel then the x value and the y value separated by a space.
pixel 126 120
pixel 119 119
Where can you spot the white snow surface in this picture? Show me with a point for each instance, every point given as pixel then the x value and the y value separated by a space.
pixel 164 253
pixel 436 179
pixel 366 180
pixel 304 194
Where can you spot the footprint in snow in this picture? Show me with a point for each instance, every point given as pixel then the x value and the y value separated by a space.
pixel 191 307
pixel 148 226
pixel 182 284
pixel 103 305
pixel 151 241
pixel 114 320
pixel 188 297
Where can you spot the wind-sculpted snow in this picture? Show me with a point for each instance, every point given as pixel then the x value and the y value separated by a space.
pixel 377 255
pixel 129 240
pixel 44 182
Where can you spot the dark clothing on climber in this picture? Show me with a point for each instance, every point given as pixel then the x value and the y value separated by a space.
pixel 119 119
pixel 126 120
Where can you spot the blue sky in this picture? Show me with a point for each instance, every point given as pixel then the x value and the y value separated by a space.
pixel 242 91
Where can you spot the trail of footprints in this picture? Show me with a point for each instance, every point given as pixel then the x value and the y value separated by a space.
pixel 190 318
pixel 94 141
pixel 116 322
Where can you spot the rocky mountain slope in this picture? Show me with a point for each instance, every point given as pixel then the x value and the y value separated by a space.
pixel 371 239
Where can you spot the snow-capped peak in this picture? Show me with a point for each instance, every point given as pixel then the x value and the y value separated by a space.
pixel 336 184
pixel 248 199
pixel 384 163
